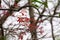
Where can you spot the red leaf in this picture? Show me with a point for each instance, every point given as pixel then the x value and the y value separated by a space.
pixel 20 20
pixel 41 31
pixel 15 4
pixel 0 5
pixel 32 27
pixel 27 19
pixel 32 19
pixel 6 13
pixel 21 35
pixel 41 21
pixel 22 13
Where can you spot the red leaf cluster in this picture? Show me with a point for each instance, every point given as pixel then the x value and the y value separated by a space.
pixel 6 13
pixel 15 4
pixel 20 20
pixel 32 27
pixel 21 35
pixel 0 5
pixel 40 21
pixel 23 19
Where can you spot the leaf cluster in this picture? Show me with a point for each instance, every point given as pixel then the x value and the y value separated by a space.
pixel 43 3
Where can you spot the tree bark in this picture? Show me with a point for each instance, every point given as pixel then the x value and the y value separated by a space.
pixel 32 29
pixel 2 20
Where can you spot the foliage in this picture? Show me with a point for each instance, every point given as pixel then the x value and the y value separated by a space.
pixel 3 38
pixel 44 3
pixel 59 14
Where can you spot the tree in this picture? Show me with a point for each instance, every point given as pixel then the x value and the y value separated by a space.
pixel 31 22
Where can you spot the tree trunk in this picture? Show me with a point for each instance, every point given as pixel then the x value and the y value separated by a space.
pixel 32 29
pixel 2 20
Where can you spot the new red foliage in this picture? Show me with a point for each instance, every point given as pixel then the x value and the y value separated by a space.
pixel 15 4
pixel 21 35
pixel 20 20
pixel 23 19
pixel 6 13
pixel 40 21
pixel 32 27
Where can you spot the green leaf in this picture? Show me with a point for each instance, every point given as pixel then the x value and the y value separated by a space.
pixel 34 0
pixel 45 4
pixel 59 14
pixel 35 5
pixel 17 1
